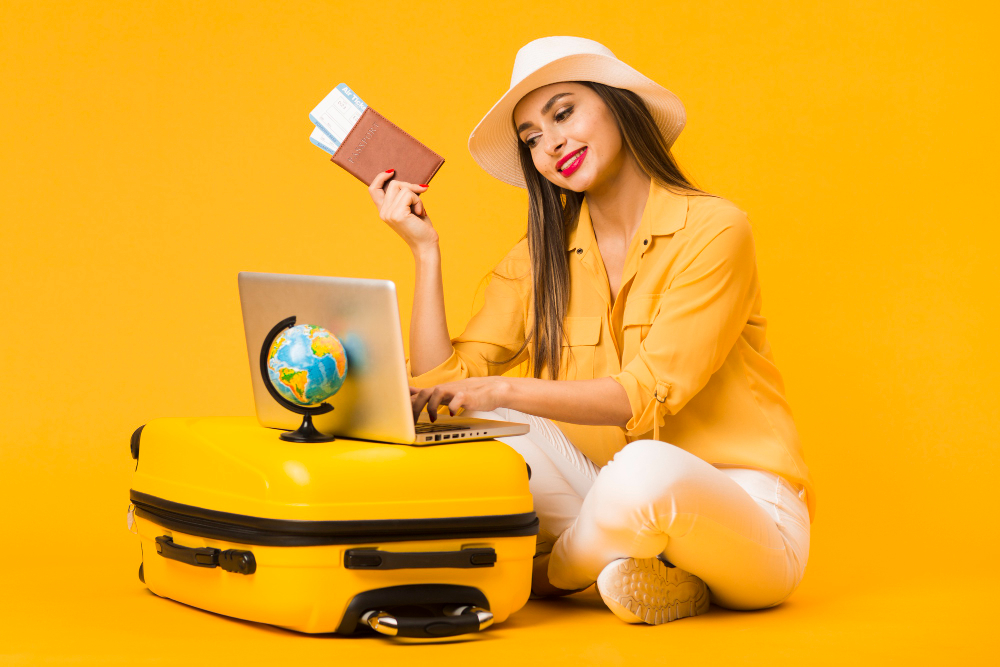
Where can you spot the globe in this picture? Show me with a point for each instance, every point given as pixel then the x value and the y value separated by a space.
pixel 306 364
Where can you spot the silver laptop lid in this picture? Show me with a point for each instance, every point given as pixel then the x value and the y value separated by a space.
pixel 374 401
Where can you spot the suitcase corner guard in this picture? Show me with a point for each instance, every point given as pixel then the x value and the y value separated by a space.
pixel 134 442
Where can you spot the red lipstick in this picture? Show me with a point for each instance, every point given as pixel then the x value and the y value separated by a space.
pixel 576 159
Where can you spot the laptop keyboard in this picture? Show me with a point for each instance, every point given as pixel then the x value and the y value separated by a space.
pixel 427 427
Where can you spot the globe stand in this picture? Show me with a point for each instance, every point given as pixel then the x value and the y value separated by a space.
pixel 306 432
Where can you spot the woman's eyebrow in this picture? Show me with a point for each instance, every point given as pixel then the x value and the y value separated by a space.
pixel 545 110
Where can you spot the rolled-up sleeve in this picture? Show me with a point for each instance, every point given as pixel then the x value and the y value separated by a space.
pixel 701 315
pixel 493 334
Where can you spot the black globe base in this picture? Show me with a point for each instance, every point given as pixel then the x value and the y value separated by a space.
pixel 306 432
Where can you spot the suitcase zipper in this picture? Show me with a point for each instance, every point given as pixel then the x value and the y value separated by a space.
pixel 243 529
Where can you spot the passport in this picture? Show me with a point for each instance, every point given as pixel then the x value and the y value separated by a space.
pixel 365 143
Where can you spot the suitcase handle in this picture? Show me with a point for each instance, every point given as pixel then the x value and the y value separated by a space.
pixel 375 559
pixel 230 560
pixel 457 620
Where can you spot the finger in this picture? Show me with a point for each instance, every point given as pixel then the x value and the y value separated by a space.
pixel 397 193
pixel 375 189
pixel 413 187
pixel 392 210
pixel 456 403
pixel 434 402
pixel 431 412
pixel 431 405
pixel 419 401
pixel 414 390
pixel 389 204
pixel 379 181
pixel 400 208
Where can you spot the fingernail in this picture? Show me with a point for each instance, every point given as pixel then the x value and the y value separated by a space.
pixel 389 171
pixel 424 185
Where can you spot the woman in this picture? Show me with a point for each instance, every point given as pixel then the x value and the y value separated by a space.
pixel 665 463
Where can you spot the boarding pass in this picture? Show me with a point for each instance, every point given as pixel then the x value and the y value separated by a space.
pixel 335 117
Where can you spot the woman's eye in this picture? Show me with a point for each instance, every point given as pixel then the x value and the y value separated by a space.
pixel 562 115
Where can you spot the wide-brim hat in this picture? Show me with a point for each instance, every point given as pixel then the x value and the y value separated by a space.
pixel 493 143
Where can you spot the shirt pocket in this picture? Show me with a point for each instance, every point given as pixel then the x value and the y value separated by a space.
pixel 580 347
pixel 640 311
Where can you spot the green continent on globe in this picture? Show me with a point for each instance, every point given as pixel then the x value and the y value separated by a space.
pixel 295 381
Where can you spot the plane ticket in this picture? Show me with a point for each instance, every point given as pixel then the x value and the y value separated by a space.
pixel 335 116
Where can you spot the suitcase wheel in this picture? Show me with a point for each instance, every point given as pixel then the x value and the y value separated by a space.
pixel 418 610
pixel 458 620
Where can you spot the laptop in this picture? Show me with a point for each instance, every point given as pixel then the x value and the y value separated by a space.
pixel 374 401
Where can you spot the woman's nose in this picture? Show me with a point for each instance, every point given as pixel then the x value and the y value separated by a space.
pixel 554 145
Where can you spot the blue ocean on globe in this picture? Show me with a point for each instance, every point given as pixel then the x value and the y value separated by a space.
pixel 306 364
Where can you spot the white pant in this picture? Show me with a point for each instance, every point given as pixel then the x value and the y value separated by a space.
pixel 744 532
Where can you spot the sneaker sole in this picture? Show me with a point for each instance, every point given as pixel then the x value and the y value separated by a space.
pixel 647 591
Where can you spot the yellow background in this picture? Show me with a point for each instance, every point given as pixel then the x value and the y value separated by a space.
pixel 150 151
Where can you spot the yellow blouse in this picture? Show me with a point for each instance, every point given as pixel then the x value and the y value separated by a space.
pixel 685 337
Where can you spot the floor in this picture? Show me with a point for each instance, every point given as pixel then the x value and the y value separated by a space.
pixel 56 615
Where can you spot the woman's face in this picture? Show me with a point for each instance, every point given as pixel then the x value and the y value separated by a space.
pixel 573 138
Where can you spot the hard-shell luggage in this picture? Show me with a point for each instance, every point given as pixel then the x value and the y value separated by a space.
pixel 426 541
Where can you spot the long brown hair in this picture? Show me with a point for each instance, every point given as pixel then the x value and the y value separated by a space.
pixel 552 212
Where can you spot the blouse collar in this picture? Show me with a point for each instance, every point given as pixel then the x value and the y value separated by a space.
pixel 665 214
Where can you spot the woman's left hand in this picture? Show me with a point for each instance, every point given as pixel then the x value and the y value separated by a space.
pixel 479 393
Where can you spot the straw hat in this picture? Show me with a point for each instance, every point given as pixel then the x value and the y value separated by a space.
pixel 493 143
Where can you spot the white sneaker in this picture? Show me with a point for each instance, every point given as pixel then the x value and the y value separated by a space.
pixel 646 590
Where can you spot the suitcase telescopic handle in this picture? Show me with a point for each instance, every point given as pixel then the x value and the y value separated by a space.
pixel 458 620
pixel 230 560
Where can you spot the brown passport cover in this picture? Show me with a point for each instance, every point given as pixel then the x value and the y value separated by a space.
pixel 375 145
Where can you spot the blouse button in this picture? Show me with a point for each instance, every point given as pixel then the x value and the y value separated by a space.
pixel 645 242
pixel 579 251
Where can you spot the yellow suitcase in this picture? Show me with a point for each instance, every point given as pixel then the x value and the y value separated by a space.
pixel 417 541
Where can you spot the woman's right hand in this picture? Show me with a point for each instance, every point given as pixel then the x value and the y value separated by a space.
pixel 399 205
